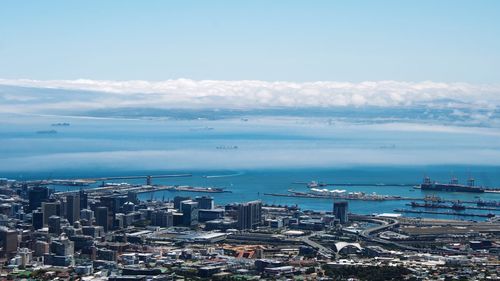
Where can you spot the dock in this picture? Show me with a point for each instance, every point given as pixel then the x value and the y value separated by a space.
pixel 146 189
pixel 442 206
pixel 88 181
pixel 362 198
pixel 444 213
pixel 361 184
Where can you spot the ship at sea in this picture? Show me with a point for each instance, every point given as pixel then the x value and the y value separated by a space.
pixel 452 186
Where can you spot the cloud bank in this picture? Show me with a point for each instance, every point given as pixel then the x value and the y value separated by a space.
pixel 245 94
pixel 251 159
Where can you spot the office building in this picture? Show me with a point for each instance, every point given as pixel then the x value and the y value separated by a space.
pixel 162 218
pixel 205 202
pixel 101 217
pixel 8 241
pixel 41 248
pixel 132 197
pixel 73 207
pixel 178 200
pixel 340 210
pixel 62 246
pixel 54 225
pixel 37 195
pixel 84 199
pixel 249 215
pixel 50 209
pixel 37 220
pixel 86 214
pixel 189 213
pixel 210 214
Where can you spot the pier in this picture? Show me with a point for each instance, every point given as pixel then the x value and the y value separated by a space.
pixel 343 197
pixel 320 184
pixel 454 207
pixel 444 213
pixel 88 181
pixel 146 189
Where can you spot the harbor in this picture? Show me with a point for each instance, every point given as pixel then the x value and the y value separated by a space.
pixel 454 206
pixel 354 196
pixel 427 184
pixel 445 213
pixel 320 184
pixel 343 195
pixel 230 186
pixel 148 189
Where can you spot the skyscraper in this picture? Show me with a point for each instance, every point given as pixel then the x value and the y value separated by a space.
pixel 73 207
pixel 50 209
pixel 84 199
pixel 249 215
pixel 189 213
pixel 37 195
pixel 62 246
pixel 205 202
pixel 340 210
pixel 86 214
pixel 178 200
pixel 54 224
pixel 162 218
pixel 8 241
pixel 101 217
pixel 37 220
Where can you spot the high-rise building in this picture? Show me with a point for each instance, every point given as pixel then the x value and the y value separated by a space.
pixel 340 210
pixel 162 218
pixel 8 241
pixel 55 225
pixel 86 214
pixel 37 220
pixel 37 195
pixel 249 214
pixel 132 197
pixel 62 246
pixel 178 200
pixel 84 199
pixel 73 207
pixel 114 204
pixel 41 248
pixel 189 213
pixel 205 202
pixel 50 209
pixel 101 217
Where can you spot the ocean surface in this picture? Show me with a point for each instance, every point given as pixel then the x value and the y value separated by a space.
pixel 252 156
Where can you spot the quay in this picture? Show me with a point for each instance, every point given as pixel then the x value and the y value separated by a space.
pixel 148 188
pixel 455 207
pixel 444 213
pixel 360 184
pixel 362 198
pixel 88 181
pixel 369 197
pixel 183 188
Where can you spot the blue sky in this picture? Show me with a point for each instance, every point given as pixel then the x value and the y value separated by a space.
pixel 447 41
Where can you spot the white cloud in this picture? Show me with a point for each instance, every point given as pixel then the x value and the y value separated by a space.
pixel 249 159
pixel 187 93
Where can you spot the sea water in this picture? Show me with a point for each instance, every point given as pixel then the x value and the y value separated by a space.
pixel 253 156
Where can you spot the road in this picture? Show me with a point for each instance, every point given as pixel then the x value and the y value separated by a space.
pixel 322 250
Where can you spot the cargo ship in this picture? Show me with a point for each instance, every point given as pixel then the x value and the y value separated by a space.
pixel 452 186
